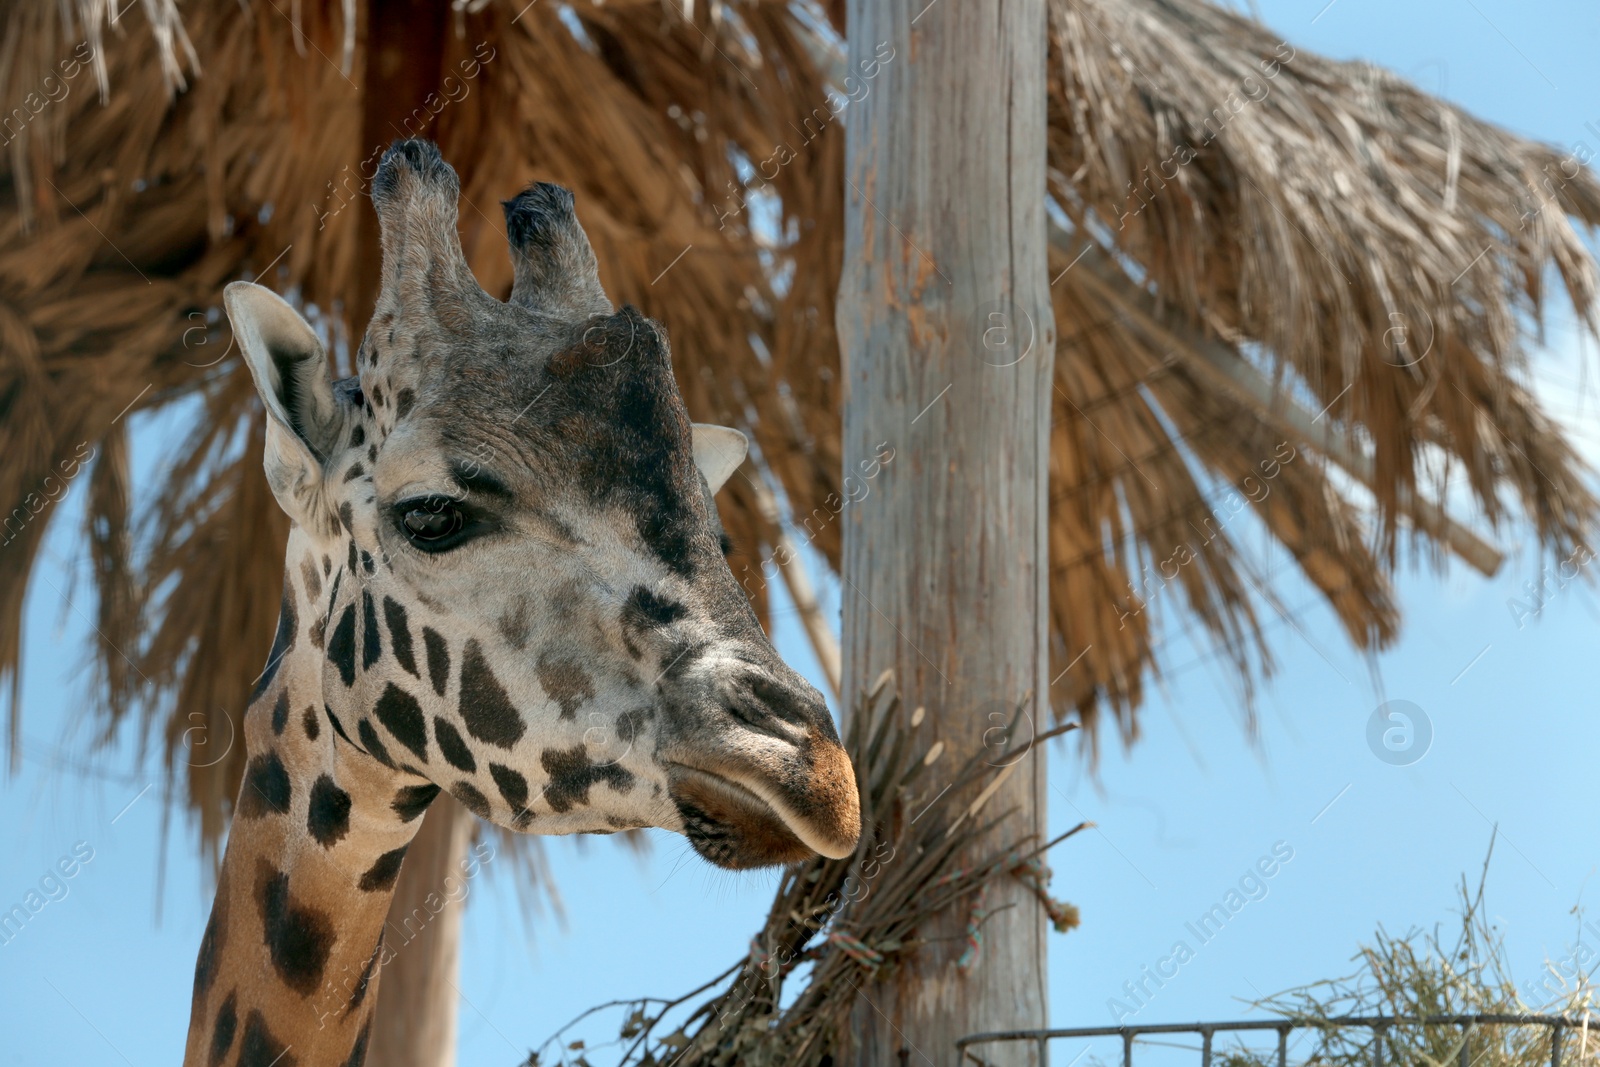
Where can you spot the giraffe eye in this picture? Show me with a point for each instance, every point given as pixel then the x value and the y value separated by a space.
pixel 433 524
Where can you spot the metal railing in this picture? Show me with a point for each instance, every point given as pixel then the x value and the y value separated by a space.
pixel 1378 1024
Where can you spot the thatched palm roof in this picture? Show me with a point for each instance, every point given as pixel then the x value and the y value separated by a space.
pixel 1239 230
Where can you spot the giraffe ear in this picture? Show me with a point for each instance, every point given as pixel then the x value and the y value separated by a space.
pixel 718 451
pixel 291 374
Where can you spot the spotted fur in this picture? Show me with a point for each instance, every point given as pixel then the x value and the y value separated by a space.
pixel 576 659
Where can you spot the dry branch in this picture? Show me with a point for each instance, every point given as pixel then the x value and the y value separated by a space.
pixel 834 924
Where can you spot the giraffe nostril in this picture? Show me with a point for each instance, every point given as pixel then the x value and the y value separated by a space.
pixel 792 704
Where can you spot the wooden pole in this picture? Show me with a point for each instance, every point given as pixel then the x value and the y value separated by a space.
pixel 415 1021
pixel 405 43
pixel 415 1024
pixel 948 346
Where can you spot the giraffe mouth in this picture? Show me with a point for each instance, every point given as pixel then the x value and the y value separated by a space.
pixel 728 824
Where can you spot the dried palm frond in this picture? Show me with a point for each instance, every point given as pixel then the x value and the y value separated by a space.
pixel 1322 200
pixel 1381 252
pixel 836 924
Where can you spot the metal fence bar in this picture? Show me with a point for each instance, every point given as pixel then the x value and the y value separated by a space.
pixel 1379 1024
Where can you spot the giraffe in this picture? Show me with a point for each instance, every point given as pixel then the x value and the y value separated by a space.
pixel 506 579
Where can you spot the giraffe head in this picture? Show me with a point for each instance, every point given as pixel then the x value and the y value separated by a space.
pixel 507 555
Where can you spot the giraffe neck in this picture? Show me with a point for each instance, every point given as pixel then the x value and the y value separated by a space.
pixel 289 962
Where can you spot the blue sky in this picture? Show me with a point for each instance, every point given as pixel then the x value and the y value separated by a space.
pixel 102 974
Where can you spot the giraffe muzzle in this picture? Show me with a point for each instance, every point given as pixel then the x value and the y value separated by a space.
pixel 761 801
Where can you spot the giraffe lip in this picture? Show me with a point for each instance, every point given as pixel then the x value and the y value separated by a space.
pixel 728 823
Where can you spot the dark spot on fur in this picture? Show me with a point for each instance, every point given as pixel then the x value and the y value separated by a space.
pixel 223 1030
pixel 329 816
pixel 358 436
pixel 514 788
pixel 453 746
pixel 342 645
pixel 280 711
pixel 438 659
pixel 205 967
pixel 572 773
pixel 371 642
pixel 384 870
pixel 643 464
pixel 377 395
pixel 515 624
pixel 318 631
pixel 266 787
pixel 471 799
pixel 373 743
pixel 309 722
pixel 259 1048
pixel 358 1052
pixel 298 938
pixel 338 727
pixel 413 800
pixel 401 715
pixel 282 641
pixel 565 682
pixel 485 708
pixel 313 580
pixel 367 973
pixel 645 610
pixel 347 517
pixel 402 403
pixel 367 566
pixel 356 470
pixel 630 724
pixel 679 657
pixel 399 636
pixel 569 602
pixel 372 453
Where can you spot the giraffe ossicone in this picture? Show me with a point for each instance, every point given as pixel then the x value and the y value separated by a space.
pixel 505 579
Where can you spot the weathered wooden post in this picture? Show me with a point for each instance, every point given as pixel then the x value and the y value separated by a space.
pixel 948 343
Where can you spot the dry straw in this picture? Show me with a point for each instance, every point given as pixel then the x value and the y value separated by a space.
pixel 1432 973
